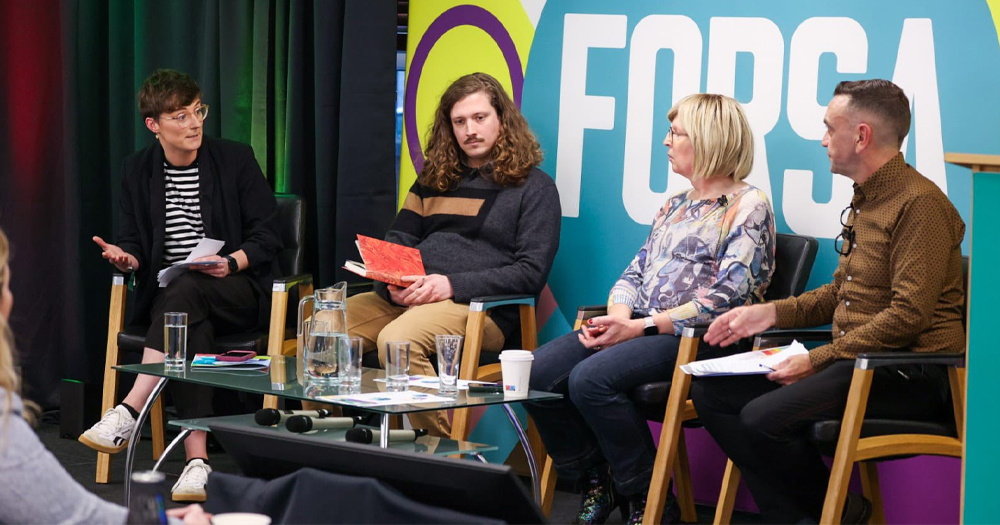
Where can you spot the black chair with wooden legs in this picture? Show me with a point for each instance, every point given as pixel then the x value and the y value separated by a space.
pixel 278 340
pixel 794 257
pixel 485 366
pixel 667 401
pixel 868 441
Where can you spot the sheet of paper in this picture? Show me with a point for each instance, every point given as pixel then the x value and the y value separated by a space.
pixel 205 247
pixel 433 382
pixel 372 399
pixel 747 363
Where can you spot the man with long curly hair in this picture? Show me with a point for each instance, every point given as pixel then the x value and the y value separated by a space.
pixel 486 221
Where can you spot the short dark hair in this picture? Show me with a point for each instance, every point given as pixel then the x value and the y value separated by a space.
pixel 882 99
pixel 166 90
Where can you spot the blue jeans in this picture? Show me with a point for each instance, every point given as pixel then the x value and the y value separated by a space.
pixel 597 422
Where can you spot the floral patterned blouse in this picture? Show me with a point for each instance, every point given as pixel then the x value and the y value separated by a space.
pixel 702 258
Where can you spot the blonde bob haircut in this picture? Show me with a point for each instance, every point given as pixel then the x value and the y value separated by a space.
pixel 720 135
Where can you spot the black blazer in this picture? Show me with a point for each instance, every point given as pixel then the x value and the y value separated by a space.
pixel 237 207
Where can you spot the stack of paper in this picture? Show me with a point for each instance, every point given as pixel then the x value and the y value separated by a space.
pixel 202 361
pixel 755 362
pixel 205 247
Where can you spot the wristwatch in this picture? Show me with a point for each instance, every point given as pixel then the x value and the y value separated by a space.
pixel 650 327
pixel 233 265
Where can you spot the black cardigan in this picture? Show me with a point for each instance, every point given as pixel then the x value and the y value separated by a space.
pixel 237 207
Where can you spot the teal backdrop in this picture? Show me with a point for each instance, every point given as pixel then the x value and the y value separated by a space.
pixel 601 76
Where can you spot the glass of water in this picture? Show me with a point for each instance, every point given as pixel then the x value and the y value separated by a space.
pixel 320 353
pixel 397 366
pixel 349 361
pixel 449 352
pixel 175 331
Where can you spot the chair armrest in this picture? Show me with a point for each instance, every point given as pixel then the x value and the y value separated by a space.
pixel 878 359
pixel 695 330
pixel 284 283
pixel 780 337
pixel 592 308
pixel 481 304
pixel 356 288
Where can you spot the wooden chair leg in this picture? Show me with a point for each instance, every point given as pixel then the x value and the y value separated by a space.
pixel 666 453
pixel 103 467
pixel 276 343
pixel 529 328
pixel 548 485
pixel 157 420
pixel 682 482
pixel 469 369
pixel 843 460
pixel 116 321
pixel 727 497
pixel 872 491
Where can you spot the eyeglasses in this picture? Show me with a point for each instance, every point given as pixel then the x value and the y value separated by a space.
pixel 184 119
pixel 845 241
pixel 671 133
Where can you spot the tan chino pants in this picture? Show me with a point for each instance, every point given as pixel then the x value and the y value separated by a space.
pixel 377 321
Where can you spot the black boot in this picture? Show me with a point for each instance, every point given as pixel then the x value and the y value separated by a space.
pixel 857 509
pixel 637 508
pixel 598 496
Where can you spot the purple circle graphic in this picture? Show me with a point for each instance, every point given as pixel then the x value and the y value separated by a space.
pixel 463 15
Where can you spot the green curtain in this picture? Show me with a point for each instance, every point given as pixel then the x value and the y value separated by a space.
pixel 309 84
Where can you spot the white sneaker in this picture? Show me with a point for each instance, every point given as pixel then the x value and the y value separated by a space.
pixel 112 432
pixel 191 485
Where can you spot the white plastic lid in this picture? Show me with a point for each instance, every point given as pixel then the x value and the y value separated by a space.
pixel 516 355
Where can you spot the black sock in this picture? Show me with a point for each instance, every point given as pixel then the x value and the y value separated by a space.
pixel 134 412
pixel 192 459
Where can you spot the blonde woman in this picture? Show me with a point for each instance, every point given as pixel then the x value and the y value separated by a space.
pixel 711 249
pixel 34 487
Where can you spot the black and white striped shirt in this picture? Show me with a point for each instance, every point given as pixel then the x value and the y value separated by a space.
pixel 184 227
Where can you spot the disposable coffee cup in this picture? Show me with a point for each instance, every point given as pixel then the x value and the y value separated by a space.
pixel 515 366
pixel 241 518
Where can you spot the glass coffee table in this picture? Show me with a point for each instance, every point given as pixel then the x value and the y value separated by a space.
pixel 422 445
pixel 282 380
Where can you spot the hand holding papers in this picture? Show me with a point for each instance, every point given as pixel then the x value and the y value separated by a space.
pixel 205 247
pixel 755 362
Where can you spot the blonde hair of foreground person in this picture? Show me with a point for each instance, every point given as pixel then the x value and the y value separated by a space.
pixel 720 135
pixel 9 379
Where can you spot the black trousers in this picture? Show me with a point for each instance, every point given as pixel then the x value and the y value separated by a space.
pixel 215 307
pixel 763 426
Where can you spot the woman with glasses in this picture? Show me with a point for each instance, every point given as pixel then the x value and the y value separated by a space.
pixel 711 248
pixel 182 188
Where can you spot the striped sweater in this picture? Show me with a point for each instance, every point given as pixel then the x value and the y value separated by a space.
pixel 487 239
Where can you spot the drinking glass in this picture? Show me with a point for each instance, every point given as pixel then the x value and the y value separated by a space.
pixel 449 351
pixel 397 366
pixel 349 361
pixel 175 329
